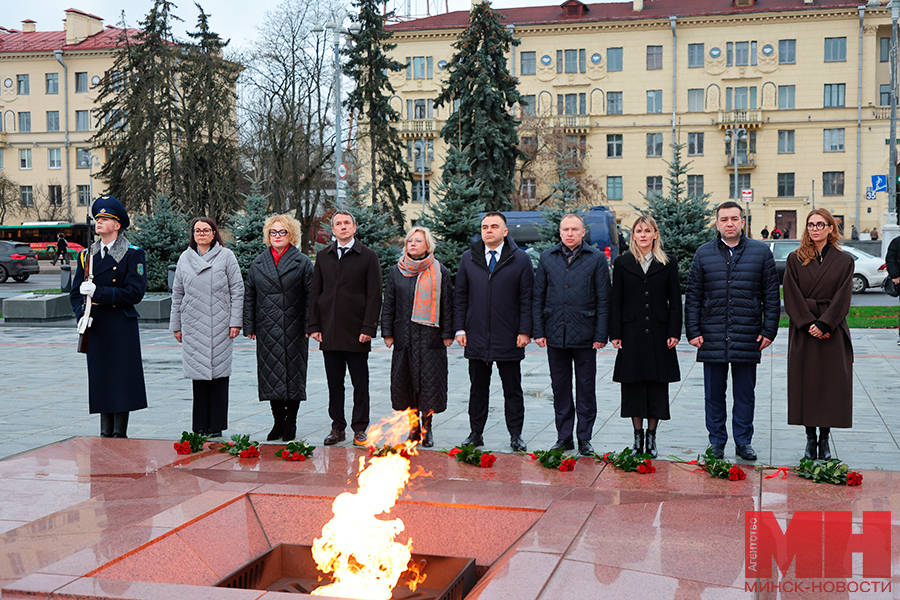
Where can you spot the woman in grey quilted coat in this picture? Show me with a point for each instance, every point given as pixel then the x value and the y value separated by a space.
pixel 207 306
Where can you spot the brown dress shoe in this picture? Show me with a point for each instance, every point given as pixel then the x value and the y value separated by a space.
pixel 360 438
pixel 334 437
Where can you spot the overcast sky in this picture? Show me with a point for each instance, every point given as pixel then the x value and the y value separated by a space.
pixel 231 19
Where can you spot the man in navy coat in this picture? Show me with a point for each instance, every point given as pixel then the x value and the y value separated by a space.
pixel 115 371
pixel 571 314
pixel 492 315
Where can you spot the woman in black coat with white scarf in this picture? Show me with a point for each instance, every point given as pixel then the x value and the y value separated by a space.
pixel 645 326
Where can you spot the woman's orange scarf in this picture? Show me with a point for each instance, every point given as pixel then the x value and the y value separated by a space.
pixel 427 301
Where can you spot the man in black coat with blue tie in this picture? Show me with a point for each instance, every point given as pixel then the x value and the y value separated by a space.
pixel 115 371
pixel 492 316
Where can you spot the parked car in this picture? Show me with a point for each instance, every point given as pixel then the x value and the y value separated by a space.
pixel 869 271
pixel 17 260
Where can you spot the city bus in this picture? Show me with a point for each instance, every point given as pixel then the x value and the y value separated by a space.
pixel 42 236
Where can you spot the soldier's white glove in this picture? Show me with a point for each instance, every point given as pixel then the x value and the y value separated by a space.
pixel 87 289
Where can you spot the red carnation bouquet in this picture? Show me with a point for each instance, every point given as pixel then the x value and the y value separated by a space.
pixel 473 456
pixel 296 451
pixel 190 443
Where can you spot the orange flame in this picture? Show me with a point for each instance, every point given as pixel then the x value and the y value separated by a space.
pixel 356 548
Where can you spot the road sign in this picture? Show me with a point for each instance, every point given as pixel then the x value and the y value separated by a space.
pixel 879 183
pixel 870 194
pixel 747 195
pixel 342 170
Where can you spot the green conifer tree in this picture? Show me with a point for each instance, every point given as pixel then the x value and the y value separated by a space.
pixel 370 67
pixel 481 92
pixel 561 202
pixel 684 220
pixel 163 234
pixel 247 227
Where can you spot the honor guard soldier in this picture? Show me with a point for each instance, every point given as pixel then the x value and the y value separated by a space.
pixel 113 279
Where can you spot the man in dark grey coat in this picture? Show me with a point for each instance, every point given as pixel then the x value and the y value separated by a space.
pixel 570 314
pixel 731 315
pixel 492 316
pixel 345 303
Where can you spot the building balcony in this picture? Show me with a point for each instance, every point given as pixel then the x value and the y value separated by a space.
pixel 746 118
pixel 881 112
pixel 745 161
pixel 419 128
pixel 573 124
pixel 415 166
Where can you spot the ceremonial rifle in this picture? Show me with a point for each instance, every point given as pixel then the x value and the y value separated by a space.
pixel 85 322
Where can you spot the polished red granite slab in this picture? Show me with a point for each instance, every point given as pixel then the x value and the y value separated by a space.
pixel 98 518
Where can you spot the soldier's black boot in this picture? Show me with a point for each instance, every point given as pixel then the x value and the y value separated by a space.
pixel 120 425
pixel 290 420
pixel 278 419
pixel 106 424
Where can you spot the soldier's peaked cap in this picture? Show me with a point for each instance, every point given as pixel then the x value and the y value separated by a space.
pixel 109 207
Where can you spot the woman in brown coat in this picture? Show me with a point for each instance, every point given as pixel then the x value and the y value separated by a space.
pixel 817 288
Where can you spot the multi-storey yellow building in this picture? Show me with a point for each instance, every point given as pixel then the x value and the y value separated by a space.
pixel 808 82
pixel 48 88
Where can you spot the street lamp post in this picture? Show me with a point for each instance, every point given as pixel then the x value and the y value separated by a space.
pixel 336 28
pixel 423 153
pixel 89 160
pixel 892 167
pixel 735 135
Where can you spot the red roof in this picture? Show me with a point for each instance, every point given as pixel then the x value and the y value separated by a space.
pixel 47 41
pixel 622 11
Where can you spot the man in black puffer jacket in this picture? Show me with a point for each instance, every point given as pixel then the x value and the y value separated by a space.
pixel 492 316
pixel 731 312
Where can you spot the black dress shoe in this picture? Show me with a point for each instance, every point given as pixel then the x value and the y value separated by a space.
pixel 745 451
pixel 517 443
pixel 474 439
pixel 214 434
pixel 585 448
pixel 718 450
pixel 566 444
pixel 360 438
pixel 334 437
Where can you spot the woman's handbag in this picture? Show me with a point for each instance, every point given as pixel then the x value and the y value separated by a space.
pixel 890 288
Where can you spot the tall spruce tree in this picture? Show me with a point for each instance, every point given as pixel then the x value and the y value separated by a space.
pixel 455 218
pixel 684 220
pixel 163 234
pixel 561 202
pixel 370 68
pixel 482 91
pixel 247 227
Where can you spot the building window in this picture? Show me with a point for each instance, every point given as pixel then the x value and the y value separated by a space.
pixel 785 141
pixel 24 122
pixel 785 185
pixel 84 195
pixel 614 145
pixel 54 194
pixel 884 46
pixel 82 158
pixel 614 103
pixel 571 104
pixel 530 108
pixel 836 49
pixel 571 61
pixel 654 101
pixel 694 186
pixel 52 83
pixel 81 83
pixel 419 67
pixel 742 54
pixel 82 120
pixel 24 158
pixel 22 85
pixel 743 183
pixel 613 59
pixel 884 97
pixel 834 95
pixel 654 187
pixel 696 100
pixel 54 158
pixel 654 58
pixel 833 183
pixel 834 140
pixel 528 62
pixel 786 96
pixel 787 52
pixel 695 144
pixel 740 98
pixel 417 191
pixel 654 144
pixel 52 120
pixel 614 187
pixel 26 195
pixel 529 188
pixel 695 56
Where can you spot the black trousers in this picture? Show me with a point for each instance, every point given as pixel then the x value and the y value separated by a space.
pixel 337 363
pixel 479 392
pixel 210 405
pixel 561 361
